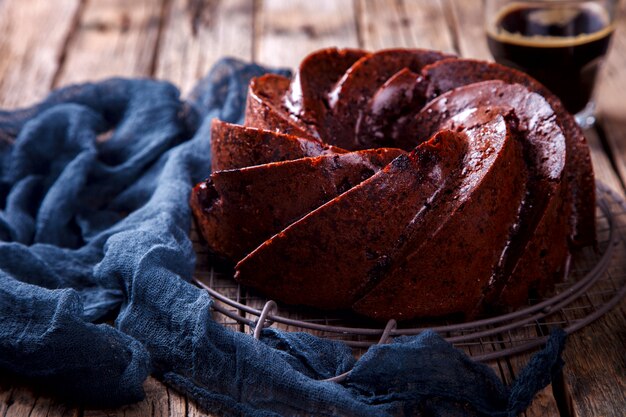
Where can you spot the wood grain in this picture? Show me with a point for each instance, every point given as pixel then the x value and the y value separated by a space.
pixel 602 166
pixel 197 33
pixel 468 29
pixel 20 403
pixel 595 371
pixel 160 401
pixel 595 375
pixel 403 24
pixel 286 31
pixel 611 93
pixel 596 367
pixel 194 35
pixel 20 400
pixel 217 280
pixel 49 407
pixel 33 34
pixel 113 38
pixel 6 392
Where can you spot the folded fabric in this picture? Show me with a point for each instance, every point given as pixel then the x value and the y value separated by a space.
pixel 94 221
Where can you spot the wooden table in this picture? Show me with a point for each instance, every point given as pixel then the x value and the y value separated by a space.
pixel 46 44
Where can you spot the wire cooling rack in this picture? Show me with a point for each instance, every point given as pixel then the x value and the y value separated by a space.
pixel 595 283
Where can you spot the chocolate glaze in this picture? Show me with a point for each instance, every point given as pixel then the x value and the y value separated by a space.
pixel 476 215
pixel 580 184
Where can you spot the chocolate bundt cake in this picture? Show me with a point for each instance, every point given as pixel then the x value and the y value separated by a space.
pixel 398 184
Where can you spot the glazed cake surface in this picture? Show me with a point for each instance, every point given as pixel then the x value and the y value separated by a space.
pixel 401 183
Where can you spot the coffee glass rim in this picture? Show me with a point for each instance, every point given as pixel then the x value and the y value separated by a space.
pixel 491 17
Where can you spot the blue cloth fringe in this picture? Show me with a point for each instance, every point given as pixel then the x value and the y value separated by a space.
pixel 94 221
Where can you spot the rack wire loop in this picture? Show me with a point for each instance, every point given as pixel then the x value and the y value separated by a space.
pixel 389 328
pixel 270 307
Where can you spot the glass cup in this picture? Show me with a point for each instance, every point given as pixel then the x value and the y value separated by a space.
pixel 561 43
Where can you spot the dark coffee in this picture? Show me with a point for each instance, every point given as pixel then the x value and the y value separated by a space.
pixel 560 47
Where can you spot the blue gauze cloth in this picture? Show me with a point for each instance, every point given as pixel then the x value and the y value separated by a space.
pixel 94 185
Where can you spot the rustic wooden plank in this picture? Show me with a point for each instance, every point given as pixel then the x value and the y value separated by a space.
pixel 21 402
pixel 178 404
pixel 611 90
pixel 18 399
pixel 196 34
pixel 32 40
pixel 219 279
pixel 287 31
pixel 160 401
pixel 602 167
pixel 487 345
pixel 468 28
pixel 389 23
pixel 403 24
pixel 595 375
pixel 33 37
pixel 592 368
pixel 544 403
pixel 6 397
pixel 50 407
pixel 113 38
pixel 595 371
